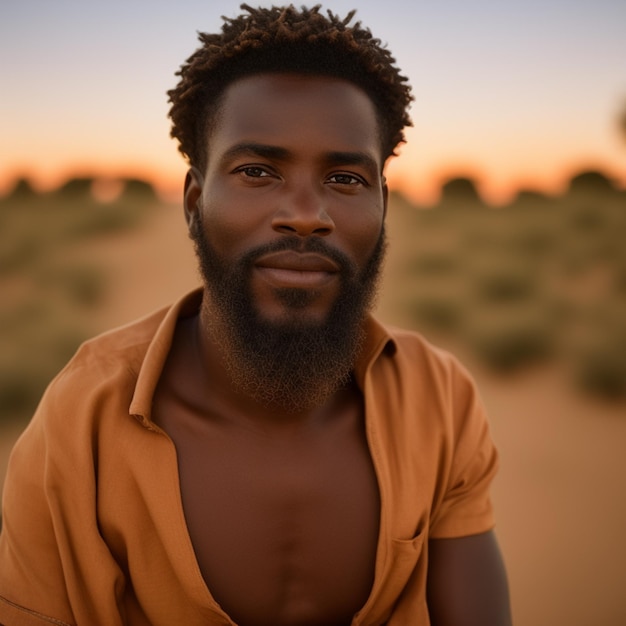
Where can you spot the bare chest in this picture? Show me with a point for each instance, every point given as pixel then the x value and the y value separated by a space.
pixel 284 524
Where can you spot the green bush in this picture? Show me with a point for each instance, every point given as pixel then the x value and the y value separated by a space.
pixel 47 300
pixel 103 219
pixel 37 339
pixel 505 351
pixel 79 284
pixel 504 284
pixel 439 264
pixel 510 336
pixel 18 254
pixel 602 371
pixel 437 313
pixel 600 357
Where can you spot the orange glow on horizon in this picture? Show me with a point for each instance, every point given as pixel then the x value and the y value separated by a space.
pixel 419 183
pixel 425 188
pixel 168 182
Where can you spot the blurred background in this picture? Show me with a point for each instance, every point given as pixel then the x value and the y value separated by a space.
pixel 507 226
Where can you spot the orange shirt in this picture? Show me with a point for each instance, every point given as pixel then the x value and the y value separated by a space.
pixel 94 532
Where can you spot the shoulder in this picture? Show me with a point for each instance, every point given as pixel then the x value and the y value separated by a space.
pixel 409 356
pixel 96 387
pixel 421 392
pixel 427 416
pixel 116 354
pixel 88 402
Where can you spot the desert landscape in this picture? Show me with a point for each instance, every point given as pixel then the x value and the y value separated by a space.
pixel 560 494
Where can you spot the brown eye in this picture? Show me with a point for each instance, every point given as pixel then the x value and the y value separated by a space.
pixel 345 179
pixel 254 171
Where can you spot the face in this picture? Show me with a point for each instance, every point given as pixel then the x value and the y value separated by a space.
pixel 292 157
pixel 288 225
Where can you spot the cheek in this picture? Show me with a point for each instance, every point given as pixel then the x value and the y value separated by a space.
pixel 360 231
pixel 232 224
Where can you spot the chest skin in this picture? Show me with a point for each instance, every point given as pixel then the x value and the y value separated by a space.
pixel 283 518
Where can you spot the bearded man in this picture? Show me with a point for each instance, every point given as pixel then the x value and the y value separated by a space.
pixel 264 452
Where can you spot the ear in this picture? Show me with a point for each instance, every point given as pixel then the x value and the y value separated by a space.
pixel 193 196
pixel 385 197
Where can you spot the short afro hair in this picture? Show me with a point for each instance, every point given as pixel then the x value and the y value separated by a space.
pixel 284 39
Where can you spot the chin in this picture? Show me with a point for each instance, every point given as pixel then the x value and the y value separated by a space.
pixel 296 308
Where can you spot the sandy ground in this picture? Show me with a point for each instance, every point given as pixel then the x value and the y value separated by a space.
pixel 560 495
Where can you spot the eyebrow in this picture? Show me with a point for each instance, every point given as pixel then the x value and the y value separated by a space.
pixel 353 158
pixel 283 154
pixel 256 149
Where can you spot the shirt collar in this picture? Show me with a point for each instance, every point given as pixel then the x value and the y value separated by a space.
pixel 377 341
pixel 156 355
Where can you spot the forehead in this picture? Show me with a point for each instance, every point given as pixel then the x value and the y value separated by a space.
pixel 288 109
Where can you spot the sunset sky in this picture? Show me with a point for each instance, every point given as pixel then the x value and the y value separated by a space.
pixel 514 94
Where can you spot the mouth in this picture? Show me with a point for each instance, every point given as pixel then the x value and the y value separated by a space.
pixel 289 268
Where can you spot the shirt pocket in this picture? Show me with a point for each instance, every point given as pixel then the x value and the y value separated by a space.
pixel 403 559
pixel 401 562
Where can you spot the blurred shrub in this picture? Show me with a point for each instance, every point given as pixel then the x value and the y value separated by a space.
pixel 601 363
pixel 602 370
pixel 76 189
pixel 517 284
pixel 49 286
pixel 530 198
pixel 461 190
pixel 103 219
pixel 137 190
pixel 80 285
pixel 436 263
pixel 21 190
pixel 600 355
pixel 17 253
pixel 437 312
pixel 505 284
pixel 591 181
pixel 534 241
pixel 508 349
pixel 507 338
pixel 37 338
pixel 587 220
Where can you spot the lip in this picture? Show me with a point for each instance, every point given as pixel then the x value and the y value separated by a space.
pixel 298 262
pixel 296 269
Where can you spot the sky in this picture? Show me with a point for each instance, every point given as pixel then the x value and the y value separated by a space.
pixel 514 94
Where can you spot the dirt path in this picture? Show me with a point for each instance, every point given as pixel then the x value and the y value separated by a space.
pixel 560 500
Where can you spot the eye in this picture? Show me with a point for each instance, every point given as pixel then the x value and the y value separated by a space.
pixel 346 179
pixel 253 171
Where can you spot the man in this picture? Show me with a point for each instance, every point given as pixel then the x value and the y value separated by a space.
pixel 264 452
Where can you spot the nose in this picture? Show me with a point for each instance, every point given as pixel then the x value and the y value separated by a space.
pixel 302 212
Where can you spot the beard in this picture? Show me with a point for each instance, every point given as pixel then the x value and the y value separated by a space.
pixel 295 364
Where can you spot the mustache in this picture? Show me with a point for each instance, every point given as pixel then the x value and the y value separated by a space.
pixel 302 245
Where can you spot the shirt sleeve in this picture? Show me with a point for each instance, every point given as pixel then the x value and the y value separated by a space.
pixel 54 566
pixel 465 506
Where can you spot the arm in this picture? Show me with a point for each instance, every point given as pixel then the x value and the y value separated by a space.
pixel 54 565
pixel 467 583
